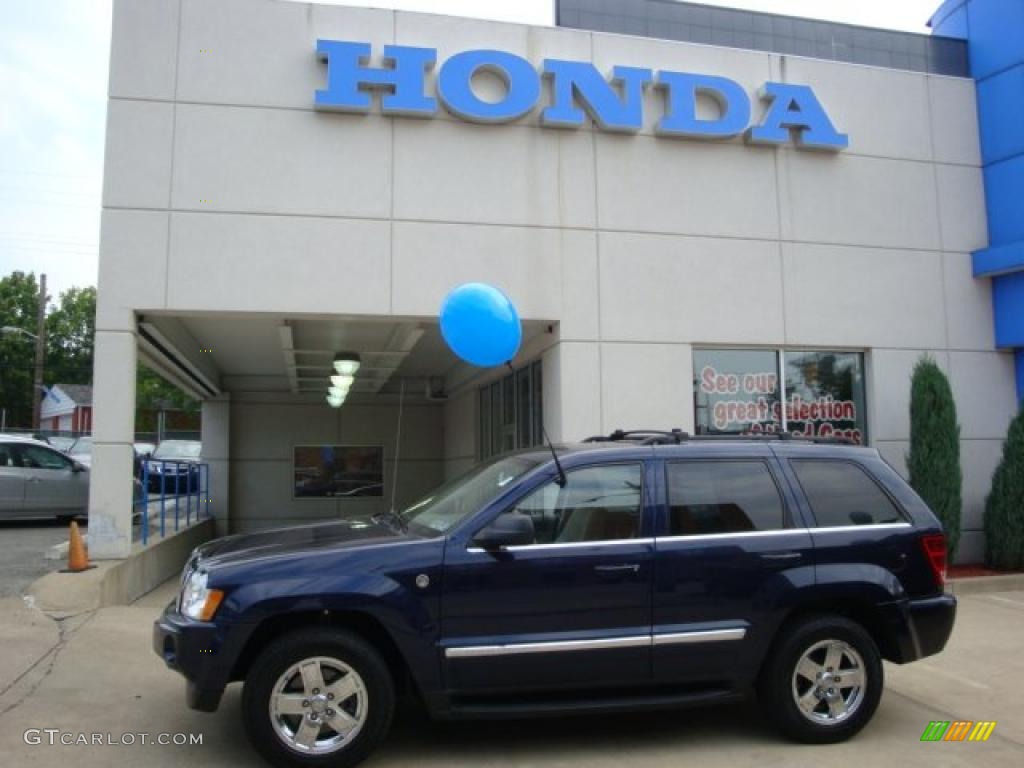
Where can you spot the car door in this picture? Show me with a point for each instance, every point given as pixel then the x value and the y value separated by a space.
pixel 52 484
pixel 572 609
pixel 12 483
pixel 728 548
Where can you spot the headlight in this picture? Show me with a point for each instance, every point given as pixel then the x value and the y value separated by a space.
pixel 198 602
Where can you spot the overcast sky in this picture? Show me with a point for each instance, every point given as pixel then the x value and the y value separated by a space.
pixel 53 84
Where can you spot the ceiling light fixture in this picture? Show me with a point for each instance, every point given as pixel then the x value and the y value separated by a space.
pixel 341 381
pixel 346 363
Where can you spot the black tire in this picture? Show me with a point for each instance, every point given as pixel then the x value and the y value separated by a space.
pixel 286 651
pixel 778 687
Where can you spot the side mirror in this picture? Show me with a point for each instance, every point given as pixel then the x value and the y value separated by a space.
pixel 78 467
pixel 511 529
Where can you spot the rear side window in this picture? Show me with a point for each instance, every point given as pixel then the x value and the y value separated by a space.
pixel 842 493
pixel 722 497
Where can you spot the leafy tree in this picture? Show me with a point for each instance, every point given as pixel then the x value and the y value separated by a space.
pixel 934 458
pixel 1004 507
pixel 153 393
pixel 70 329
pixel 19 301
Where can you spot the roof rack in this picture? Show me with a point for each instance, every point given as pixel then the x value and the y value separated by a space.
pixel 678 436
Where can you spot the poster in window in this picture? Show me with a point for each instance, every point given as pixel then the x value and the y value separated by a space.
pixel 338 471
pixel 736 391
pixel 740 392
pixel 825 395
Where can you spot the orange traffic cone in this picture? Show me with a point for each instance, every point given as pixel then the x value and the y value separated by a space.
pixel 78 558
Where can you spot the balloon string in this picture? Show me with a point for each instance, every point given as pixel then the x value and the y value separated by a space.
pixel 398 445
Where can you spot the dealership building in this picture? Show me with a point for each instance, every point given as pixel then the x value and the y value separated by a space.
pixel 716 220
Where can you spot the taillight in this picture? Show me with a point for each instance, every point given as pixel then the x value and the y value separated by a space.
pixel 934 546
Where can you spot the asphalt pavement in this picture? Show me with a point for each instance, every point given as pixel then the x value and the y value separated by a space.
pixel 101 677
pixel 22 546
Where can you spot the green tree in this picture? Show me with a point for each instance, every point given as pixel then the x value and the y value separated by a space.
pixel 19 300
pixel 1004 507
pixel 934 458
pixel 70 328
pixel 153 393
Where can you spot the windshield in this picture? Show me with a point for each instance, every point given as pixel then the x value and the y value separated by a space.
pixel 177 449
pixel 453 502
pixel 83 445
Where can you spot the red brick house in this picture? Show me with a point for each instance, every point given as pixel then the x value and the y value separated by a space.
pixel 67 408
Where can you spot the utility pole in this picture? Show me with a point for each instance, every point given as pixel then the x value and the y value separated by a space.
pixel 37 382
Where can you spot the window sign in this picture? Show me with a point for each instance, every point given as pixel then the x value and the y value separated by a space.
pixel 741 391
pixel 736 391
pixel 825 395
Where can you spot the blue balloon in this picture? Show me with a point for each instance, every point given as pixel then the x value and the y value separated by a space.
pixel 481 325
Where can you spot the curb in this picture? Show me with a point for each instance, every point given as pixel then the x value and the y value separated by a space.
pixel 974 585
pixel 119 582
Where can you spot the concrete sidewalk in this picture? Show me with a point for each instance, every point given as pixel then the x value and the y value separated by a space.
pixel 104 678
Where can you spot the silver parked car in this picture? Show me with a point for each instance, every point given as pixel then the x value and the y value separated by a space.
pixel 37 481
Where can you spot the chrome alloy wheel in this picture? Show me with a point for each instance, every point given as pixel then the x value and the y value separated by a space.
pixel 318 705
pixel 829 682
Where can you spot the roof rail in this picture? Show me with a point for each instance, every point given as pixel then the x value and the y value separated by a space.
pixel 678 436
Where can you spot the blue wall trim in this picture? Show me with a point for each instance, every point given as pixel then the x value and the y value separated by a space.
pixel 1007 300
pixel 994 30
pixel 1020 376
pixel 999 260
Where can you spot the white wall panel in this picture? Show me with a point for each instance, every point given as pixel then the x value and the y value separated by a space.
pixel 278 263
pixel 667 288
pixel 863 297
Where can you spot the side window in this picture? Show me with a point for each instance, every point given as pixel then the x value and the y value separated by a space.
pixel 7 456
pixel 597 504
pixel 42 458
pixel 722 497
pixel 842 493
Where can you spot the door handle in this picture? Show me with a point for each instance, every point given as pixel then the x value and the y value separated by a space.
pixel 778 556
pixel 634 567
pixel 35 479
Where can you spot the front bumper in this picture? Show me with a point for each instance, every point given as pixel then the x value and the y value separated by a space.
pixel 203 652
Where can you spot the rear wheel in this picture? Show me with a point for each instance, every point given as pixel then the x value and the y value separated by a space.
pixel 823 680
pixel 318 697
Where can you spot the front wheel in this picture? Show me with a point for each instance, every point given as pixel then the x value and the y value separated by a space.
pixel 318 697
pixel 823 681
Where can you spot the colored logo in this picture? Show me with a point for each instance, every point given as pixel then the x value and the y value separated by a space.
pixel 958 730
pixel 578 90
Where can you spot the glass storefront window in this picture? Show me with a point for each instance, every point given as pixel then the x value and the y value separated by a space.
pixel 741 391
pixel 510 412
pixel 825 395
pixel 736 391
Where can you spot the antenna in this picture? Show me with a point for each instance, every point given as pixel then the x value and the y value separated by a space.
pixel 562 479
pixel 398 444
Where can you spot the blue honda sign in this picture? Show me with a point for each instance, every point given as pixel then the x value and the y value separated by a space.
pixel 578 91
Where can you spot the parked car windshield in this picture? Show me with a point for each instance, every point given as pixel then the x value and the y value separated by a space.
pixel 454 501
pixel 82 447
pixel 61 443
pixel 178 449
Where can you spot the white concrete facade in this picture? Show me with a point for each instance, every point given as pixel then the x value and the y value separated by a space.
pixel 227 195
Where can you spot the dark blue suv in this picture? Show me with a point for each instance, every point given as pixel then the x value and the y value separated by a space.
pixel 636 571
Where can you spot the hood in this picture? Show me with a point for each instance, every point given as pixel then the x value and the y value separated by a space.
pixel 303 539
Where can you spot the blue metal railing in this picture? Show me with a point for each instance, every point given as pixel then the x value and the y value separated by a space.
pixel 195 476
